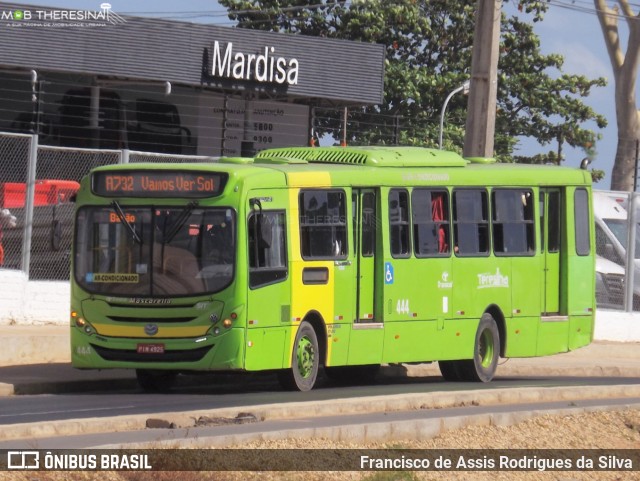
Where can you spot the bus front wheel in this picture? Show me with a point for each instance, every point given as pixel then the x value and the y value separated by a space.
pixel 485 353
pixel 305 361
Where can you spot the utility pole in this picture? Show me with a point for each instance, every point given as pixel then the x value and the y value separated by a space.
pixel 481 108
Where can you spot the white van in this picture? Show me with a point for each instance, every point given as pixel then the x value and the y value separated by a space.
pixel 609 284
pixel 611 241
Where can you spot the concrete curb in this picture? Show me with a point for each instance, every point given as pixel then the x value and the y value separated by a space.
pixel 377 432
pixel 400 402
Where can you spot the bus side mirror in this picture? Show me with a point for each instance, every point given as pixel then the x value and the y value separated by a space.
pixel 263 227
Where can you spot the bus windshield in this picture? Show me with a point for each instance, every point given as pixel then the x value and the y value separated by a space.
pixel 154 251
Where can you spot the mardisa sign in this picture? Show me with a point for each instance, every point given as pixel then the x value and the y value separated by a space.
pixel 265 67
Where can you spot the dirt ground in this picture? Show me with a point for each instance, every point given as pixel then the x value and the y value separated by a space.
pixel 599 430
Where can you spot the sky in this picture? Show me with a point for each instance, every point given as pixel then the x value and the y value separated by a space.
pixel 570 28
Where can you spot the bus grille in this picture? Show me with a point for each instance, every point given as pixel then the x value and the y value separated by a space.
pixel 190 355
pixel 150 319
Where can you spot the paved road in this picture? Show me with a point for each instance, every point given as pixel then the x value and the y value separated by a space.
pixel 257 391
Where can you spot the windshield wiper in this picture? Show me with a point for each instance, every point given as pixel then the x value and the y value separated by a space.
pixel 123 220
pixel 179 222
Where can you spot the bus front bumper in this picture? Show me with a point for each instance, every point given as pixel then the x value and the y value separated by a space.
pixel 224 352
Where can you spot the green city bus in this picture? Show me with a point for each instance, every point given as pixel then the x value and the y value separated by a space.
pixel 332 258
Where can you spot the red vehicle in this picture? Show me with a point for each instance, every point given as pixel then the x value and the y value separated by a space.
pixel 48 192
pixel 51 228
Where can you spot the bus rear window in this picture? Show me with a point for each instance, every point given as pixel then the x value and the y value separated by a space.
pixel 583 241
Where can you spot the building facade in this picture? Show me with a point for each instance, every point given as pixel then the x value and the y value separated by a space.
pixel 100 80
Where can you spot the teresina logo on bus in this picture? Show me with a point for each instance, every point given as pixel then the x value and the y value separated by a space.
pixel 265 67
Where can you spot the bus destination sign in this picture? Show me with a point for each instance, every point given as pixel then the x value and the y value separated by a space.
pixel 158 183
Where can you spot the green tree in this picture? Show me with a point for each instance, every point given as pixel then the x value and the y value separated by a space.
pixel 428 54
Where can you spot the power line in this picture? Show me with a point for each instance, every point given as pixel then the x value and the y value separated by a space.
pixel 223 16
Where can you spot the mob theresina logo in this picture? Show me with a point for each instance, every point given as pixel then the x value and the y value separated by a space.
pixel 58 17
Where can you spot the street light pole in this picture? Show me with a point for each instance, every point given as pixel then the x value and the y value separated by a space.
pixel 465 87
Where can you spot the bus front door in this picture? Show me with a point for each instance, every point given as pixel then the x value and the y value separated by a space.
pixel 367 335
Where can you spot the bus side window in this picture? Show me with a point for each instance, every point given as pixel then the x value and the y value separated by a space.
pixel 323 224
pixel 399 223
pixel 513 222
pixel 267 248
pixel 430 213
pixel 470 222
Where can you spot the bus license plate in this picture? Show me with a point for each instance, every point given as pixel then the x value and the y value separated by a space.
pixel 150 349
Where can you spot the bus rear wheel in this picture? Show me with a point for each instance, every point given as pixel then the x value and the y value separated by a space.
pixel 305 361
pixel 486 352
pixel 151 380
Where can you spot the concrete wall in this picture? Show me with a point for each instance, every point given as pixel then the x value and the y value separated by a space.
pixel 47 302
pixel 25 302
pixel 617 326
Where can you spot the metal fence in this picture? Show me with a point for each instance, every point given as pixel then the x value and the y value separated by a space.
pixel 36 182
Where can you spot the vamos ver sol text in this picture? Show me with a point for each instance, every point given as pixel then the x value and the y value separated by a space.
pixel 144 183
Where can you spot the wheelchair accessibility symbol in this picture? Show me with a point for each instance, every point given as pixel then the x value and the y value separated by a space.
pixel 388 273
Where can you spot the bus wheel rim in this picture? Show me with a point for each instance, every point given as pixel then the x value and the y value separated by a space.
pixel 485 349
pixel 305 356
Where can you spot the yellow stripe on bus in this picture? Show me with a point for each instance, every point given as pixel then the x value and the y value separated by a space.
pixel 307 298
pixel 309 179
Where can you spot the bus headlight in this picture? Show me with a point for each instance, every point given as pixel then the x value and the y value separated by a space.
pixel 82 323
pixel 229 321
